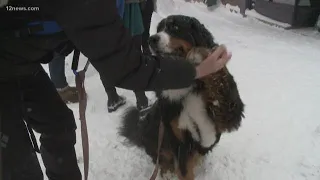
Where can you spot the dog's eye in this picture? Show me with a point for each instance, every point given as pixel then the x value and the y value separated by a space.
pixel 175 27
pixel 180 51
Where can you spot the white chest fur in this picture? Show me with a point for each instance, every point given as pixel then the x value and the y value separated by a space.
pixel 194 114
pixel 176 94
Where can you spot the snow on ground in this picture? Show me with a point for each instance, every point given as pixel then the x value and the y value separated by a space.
pixel 278 75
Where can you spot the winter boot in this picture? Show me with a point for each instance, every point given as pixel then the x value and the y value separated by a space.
pixel 69 94
pixel 142 100
pixel 115 103
pixel 142 103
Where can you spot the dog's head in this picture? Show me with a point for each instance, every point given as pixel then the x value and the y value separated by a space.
pixel 178 34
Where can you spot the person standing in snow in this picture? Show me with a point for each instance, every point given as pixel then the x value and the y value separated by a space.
pixel 69 94
pixel 147 9
pixel 28 98
pixel 130 11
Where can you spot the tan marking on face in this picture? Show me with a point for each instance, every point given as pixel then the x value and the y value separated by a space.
pixel 197 54
pixel 176 43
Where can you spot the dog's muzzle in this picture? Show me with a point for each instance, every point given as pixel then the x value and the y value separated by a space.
pixel 154 41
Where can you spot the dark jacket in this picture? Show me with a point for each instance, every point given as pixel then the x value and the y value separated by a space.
pixel 96 29
pixel 132 18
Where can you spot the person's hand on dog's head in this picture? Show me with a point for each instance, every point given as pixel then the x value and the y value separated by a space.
pixel 214 62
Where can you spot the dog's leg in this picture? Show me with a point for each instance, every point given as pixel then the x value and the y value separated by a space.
pixel 183 161
pixel 191 164
pixel 166 162
pixel 176 131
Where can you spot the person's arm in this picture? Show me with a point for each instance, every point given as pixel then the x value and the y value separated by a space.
pixel 97 31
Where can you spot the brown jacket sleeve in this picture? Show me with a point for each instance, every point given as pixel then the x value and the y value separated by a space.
pixel 97 31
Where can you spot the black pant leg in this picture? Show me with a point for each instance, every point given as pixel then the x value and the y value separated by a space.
pixel 49 115
pixel 18 158
pixel 57 71
pixel 110 90
pixel 140 95
pixel 147 12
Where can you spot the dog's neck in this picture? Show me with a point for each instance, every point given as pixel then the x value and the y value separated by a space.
pixel 176 94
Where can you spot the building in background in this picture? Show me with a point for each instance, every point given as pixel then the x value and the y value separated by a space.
pixel 296 13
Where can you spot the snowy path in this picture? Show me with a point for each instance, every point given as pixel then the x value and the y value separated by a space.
pixel 278 74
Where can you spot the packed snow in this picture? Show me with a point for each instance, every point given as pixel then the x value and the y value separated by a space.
pixel 278 75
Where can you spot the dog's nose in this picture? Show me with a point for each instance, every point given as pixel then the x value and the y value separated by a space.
pixel 153 40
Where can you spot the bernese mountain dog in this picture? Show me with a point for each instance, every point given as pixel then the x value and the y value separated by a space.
pixel 194 117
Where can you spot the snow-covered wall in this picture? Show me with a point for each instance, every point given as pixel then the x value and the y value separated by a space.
pixel 292 2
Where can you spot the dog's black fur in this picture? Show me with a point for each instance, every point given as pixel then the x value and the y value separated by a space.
pixel 188 29
pixel 143 131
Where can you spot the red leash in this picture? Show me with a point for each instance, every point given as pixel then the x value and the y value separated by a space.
pixel 80 78
pixel 160 139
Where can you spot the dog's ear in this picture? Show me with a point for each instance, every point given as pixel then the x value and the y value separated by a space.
pixel 161 25
pixel 201 34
